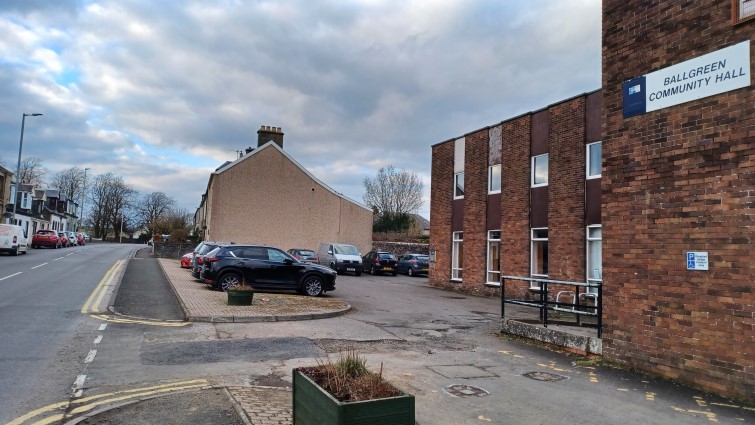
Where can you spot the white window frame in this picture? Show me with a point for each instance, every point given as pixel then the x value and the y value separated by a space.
pixel 532 172
pixel 533 240
pixel 25 201
pixel 457 262
pixel 491 190
pixel 456 180
pixel 746 12
pixel 494 237
pixel 588 262
pixel 587 161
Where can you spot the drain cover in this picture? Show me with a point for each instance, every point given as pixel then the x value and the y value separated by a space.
pixel 544 376
pixel 465 391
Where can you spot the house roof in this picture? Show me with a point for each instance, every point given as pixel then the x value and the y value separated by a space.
pixel 272 145
pixel 4 170
pixel 421 221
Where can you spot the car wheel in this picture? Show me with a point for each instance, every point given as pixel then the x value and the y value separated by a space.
pixel 358 273
pixel 372 270
pixel 228 281
pixel 394 273
pixel 410 272
pixel 15 252
pixel 312 285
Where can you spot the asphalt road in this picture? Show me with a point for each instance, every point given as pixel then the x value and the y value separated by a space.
pixel 43 335
pixel 440 346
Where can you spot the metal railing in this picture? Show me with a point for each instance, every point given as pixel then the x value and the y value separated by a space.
pixel 575 307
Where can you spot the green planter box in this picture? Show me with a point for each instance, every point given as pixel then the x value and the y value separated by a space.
pixel 240 297
pixel 313 405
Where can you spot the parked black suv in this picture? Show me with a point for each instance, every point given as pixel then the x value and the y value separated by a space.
pixel 199 252
pixel 379 262
pixel 264 267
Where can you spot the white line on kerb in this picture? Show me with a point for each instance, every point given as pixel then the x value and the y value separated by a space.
pixel 8 277
pixel 79 382
pixel 103 326
pixel 98 339
pixel 90 356
pixel 38 266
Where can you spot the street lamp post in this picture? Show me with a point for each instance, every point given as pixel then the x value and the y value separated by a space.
pixel 83 199
pixel 18 166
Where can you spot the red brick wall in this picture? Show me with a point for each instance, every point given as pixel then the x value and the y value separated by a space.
pixel 566 191
pixel 515 202
pixel 441 198
pixel 675 180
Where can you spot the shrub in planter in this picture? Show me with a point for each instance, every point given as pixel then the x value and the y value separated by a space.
pixel 240 295
pixel 347 393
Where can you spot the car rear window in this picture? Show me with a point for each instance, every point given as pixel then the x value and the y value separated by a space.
pixel 386 256
pixel 46 232
pixel 305 253
pixel 423 257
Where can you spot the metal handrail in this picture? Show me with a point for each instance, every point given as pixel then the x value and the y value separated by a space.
pixel 544 305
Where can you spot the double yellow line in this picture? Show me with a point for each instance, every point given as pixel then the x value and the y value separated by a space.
pixel 88 403
pixel 93 302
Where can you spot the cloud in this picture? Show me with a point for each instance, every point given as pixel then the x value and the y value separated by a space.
pixel 128 86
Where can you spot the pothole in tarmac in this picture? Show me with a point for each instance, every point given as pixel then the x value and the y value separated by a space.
pixel 460 390
pixel 545 376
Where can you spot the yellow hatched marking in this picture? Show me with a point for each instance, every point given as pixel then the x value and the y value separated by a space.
pixel 135 395
pixel 710 415
pixel 160 388
pixel 700 402
pixel 650 396
pixel 623 389
pixel 140 322
pixel 593 377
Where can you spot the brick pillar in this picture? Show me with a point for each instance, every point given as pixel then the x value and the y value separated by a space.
pixel 441 187
pixel 475 211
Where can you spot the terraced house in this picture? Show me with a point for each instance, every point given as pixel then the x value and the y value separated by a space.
pixel 646 186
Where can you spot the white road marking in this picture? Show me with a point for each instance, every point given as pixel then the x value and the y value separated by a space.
pixel 38 266
pixel 70 254
pixel 59 258
pixel 90 356
pixel 79 382
pixel 103 326
pixel 98 339
pixel 78 393
pixel 8 277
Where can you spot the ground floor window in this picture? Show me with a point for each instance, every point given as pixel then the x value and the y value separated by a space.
pixel 594 256
pixel 494 257
pixel 457 255
pixel 539 255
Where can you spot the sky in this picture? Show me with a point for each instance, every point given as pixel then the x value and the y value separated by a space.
pixel 164 92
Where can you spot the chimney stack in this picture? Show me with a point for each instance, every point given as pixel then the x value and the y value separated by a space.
pixel 267 133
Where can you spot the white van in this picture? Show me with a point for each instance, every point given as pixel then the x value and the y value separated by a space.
pixel 12 239
pixel 341 257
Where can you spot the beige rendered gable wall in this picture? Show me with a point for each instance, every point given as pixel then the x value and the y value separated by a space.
pixel 267 199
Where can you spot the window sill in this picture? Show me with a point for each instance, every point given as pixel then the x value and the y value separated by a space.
pixel 539 185
pixel 493 284
pixel 593 177
pixel 456 280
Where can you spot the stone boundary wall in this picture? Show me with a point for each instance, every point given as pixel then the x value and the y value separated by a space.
pixel 400 248
pixel 172 250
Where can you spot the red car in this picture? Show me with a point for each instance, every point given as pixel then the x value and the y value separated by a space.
pixel 80 239
pixel 64 242
pixel 186 260
pixel 45 238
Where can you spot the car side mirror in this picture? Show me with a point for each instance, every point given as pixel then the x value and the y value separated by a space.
pixel 330 252
pixel 288 261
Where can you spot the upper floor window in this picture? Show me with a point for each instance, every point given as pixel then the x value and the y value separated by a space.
pixel 25 200
pixel 494 178
pixel 594 162
pixel 745 9
pixel 540 170
pixel 459 185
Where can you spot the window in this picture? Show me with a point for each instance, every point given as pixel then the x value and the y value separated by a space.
pixel 494 179
pixel 745 9
pixel 457 255
pixel 539 259
pixel 594 163
pixel 540 170
pixel 459 185
pixel 494 258
pixel 594 256
pixel 25 200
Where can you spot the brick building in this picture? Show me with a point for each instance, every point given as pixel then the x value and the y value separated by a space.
pixel 492 212
pixel 676 180
pixel 675 175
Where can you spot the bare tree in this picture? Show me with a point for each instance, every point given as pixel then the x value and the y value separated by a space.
pixel 153 209
pixel 70 182
pixel 393 192
pixel 111 197
pixel 32 171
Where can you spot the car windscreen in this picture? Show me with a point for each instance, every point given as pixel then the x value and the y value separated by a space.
pixel 345 250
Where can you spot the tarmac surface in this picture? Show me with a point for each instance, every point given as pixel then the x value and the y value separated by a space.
pixel 267 400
